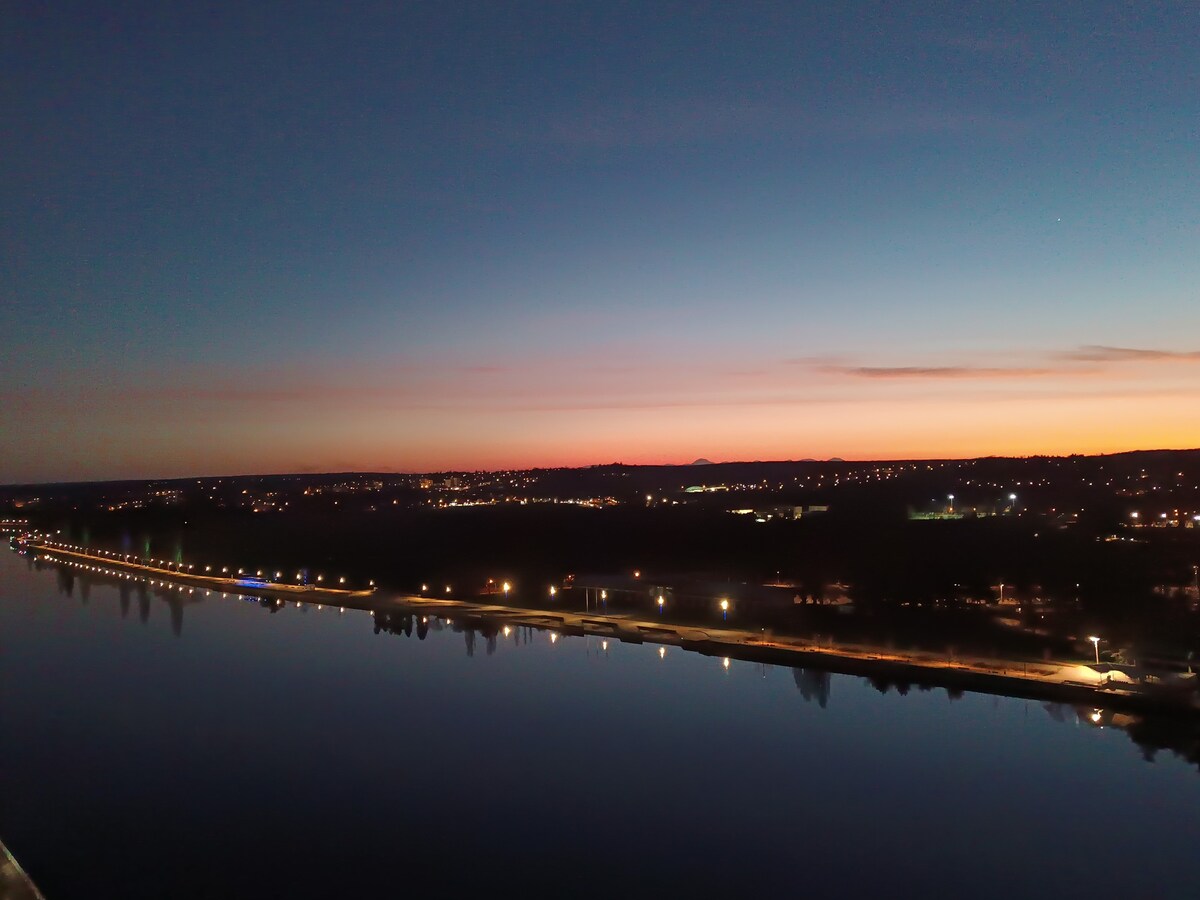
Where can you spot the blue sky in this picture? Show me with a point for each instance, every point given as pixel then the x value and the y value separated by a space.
pixel 363 236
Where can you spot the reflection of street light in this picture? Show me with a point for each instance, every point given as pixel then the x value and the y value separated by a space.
pixel 724 609
pixel 506 587
pixel 1096 646
pixel 661 601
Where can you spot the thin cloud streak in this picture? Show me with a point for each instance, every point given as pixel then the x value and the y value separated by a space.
pixel 947 372
pixel 1101 353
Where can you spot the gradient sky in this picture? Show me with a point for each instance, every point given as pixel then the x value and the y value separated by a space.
pixel 423 236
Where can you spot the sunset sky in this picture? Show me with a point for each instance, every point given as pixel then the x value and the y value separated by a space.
pixel 427 236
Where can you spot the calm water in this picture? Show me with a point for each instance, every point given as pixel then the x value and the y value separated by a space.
pixel 300 754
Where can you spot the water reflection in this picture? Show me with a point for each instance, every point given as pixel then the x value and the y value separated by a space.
pixel 1151 732
pixel 69 577
pixel 813 684
pixel 1178 735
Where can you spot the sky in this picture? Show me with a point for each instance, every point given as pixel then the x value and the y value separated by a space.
pixel 307 237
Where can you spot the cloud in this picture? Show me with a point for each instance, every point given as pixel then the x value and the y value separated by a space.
pixel 1101 353
pixel 948 372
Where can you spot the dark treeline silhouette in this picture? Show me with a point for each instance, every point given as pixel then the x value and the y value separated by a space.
pixel 1051 552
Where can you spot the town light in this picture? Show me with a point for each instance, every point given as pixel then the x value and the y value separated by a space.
pixel 1096 646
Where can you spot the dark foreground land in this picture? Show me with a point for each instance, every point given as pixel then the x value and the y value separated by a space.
pixel 1009 558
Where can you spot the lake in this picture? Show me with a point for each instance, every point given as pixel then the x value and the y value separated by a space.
pixel 209 747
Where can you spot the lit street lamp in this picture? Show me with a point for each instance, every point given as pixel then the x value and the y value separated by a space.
pixel 1096 646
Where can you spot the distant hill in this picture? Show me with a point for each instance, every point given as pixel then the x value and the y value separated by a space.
pixel 703 462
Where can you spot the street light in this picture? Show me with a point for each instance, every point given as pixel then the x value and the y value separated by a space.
pixel 1096 646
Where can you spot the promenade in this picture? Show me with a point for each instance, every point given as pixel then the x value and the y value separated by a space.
pixel 1100 686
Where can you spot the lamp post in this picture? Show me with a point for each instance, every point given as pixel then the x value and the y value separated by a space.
pixel 1095 646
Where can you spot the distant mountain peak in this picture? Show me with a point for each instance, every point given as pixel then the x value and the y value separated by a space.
pixel 702 462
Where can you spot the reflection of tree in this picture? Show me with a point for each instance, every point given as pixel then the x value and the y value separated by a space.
pixel 1154 733
pixel 175 605
pixel 1179 734
pixel 143 604
pixel 124 591
pixel 65 579
pixel 470 628
pixel 813 685
pixel 1056 711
